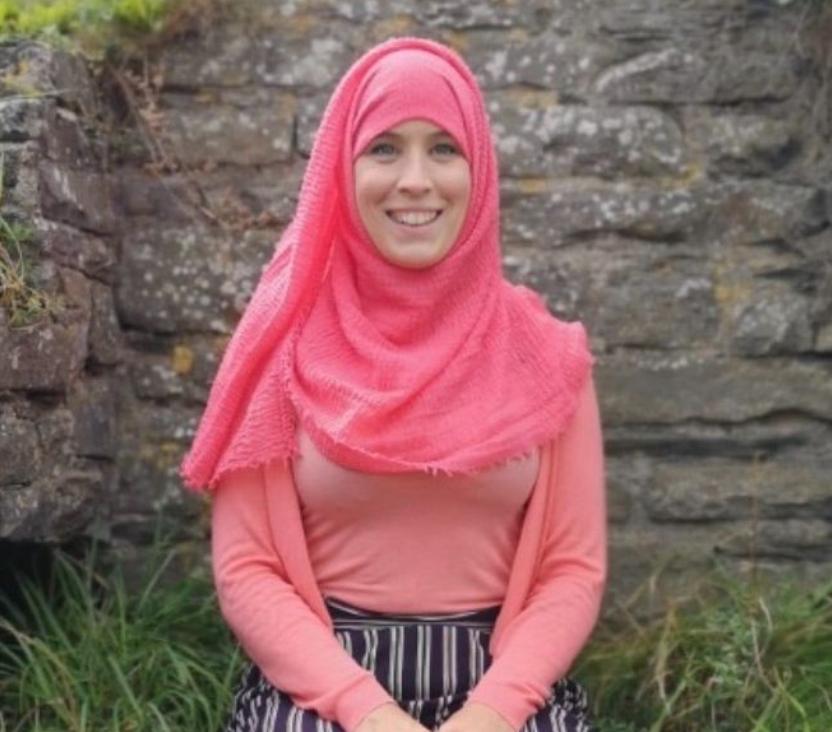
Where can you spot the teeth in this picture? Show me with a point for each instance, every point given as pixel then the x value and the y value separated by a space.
pixel 414 218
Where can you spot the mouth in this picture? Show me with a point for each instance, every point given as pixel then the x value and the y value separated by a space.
pixel 414 218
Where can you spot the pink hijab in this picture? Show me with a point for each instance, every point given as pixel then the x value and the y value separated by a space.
pixel 449 368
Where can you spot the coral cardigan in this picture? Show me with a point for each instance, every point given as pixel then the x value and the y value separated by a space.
pixel 270 598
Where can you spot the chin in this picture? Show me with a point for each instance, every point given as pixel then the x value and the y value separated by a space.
pixel 413 259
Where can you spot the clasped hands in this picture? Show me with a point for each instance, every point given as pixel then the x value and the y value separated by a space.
pixel 472 717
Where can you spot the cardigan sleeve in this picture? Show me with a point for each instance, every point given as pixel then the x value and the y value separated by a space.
pixel 290 644
pixel 565 598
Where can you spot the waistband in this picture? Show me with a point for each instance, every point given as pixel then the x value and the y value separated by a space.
pixel 345 616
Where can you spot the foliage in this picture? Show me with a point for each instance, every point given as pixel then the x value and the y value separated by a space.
pixel 20 298
pixel 737 658
pixel 93 25
pixel 85 654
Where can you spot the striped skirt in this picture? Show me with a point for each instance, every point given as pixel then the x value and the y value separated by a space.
pixel 428 663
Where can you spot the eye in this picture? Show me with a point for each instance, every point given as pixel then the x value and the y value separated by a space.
pixel 446 148
pixel 381 149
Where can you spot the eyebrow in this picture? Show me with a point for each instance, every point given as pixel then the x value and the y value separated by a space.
pixel 397 136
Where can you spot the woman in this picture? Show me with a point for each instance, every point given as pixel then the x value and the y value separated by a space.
pixel 408 518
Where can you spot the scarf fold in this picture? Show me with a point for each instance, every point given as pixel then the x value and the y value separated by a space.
pixel 445 369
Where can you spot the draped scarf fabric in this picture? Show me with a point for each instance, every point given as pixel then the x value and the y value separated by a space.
pixel 448 369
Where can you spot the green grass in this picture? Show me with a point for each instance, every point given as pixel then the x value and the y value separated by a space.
pixel 85 653
pixel 737 658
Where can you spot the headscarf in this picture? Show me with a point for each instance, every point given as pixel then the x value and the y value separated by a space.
pixel 449 368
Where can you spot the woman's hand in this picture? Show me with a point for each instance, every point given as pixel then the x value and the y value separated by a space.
pixel 389 718
pixel 475 717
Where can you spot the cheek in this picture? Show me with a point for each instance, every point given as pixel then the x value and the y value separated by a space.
pixel 459 187
pixel 371 185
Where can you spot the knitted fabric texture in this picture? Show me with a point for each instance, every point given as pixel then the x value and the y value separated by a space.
pixel 449 368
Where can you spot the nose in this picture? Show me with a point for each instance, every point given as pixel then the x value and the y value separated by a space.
pixel 415 176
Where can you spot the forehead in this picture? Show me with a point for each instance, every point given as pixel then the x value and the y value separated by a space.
pixel 415 128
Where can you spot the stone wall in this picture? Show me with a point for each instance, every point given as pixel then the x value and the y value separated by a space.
pixel 666 179
pixel 58 402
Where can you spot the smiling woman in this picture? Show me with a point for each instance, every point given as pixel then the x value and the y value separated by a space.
pixel 412 186
pixel 408 522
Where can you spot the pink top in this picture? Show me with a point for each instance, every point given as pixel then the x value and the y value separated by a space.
pixel 264 568
pixel 412 542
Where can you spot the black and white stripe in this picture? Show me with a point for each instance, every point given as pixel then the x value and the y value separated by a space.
pixel 428 663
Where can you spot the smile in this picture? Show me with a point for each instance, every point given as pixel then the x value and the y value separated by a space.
pixel 414 218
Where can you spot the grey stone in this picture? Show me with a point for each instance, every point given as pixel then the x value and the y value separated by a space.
pixel 22 118
pixel 105 337
pixel 53 511
pixel 558 141
pixel 137 192
pixel 70 248
pixel 728 490
pixel 682 76
pixel 33 69
pixel 806 540
pixel 294 56
pixel 747 212
pixel 772 319
pixel 65 141
pixel 43 356
pixel 92 403
pixel 562 63
pixel 186 279
pixel 665 388
pixel 569 211
pixel 208 130
pixel 19 452
pixel 627 478
pixel 786 436
pixel 78 198
pixel 310 111
pixel 741 144
pixel 21 181
pixel 480 13
pixel 630 293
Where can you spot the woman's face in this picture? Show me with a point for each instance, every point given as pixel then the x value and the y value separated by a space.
pixel 412 186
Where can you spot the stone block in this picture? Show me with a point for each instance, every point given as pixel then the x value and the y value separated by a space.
pixel 54 510
pixel 539 138
pixel 65 141
pixel 741 144
pixel 22 119
pixel 650 387
pixel 749 212
pixel 74 249
pixel 92 403
pixel 480 13
pixel 791 539
pixel 19 450
pixel 105 336
pixel 292 56
pixel 21 186
pixel 629 293
pixel 192 279
pixel 78 198
pixel 681 75
pixel 569 211
pixel 730 490
pixel 31 68
pixel 559 62
pixel 240 129
pixel 44 356
pixel 771 319
pixel 787 436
